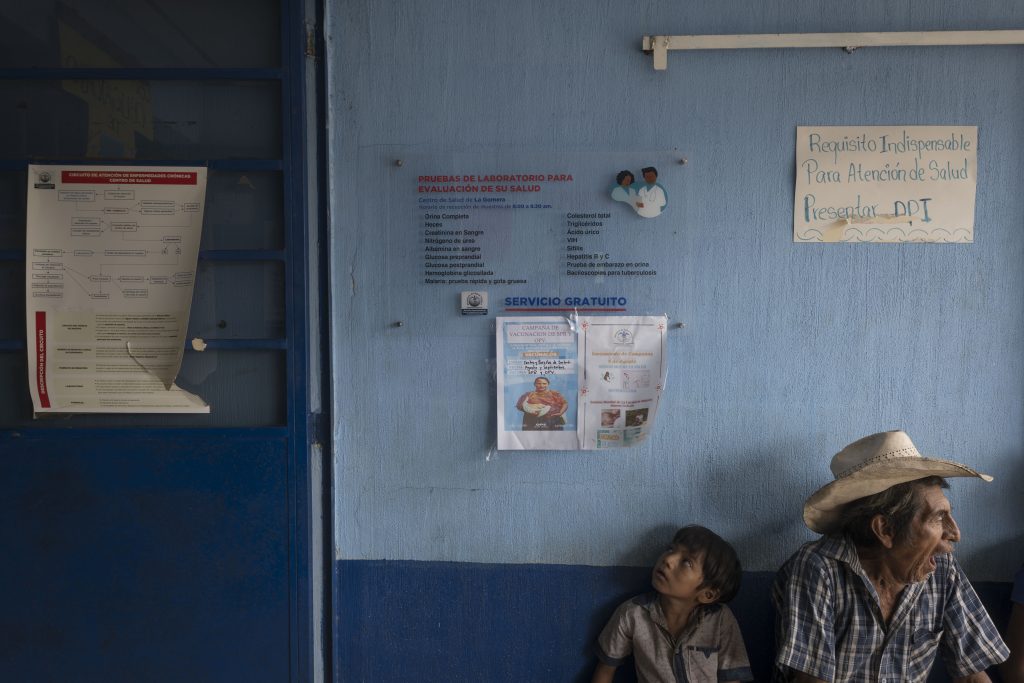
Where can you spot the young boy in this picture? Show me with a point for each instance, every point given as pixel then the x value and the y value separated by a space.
pixel 682 631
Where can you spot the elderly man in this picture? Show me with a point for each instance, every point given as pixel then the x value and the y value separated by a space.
pixel 879 593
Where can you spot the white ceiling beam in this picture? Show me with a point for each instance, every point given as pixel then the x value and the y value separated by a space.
pixel 658 46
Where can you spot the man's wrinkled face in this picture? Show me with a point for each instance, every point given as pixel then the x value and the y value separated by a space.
pixel 933 532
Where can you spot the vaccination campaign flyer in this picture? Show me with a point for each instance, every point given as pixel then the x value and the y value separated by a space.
pixel 537 384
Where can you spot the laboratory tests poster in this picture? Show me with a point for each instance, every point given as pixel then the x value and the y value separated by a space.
pixel 110 263
pixel 586 382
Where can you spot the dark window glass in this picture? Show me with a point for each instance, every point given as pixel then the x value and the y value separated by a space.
pixel 231 300
pixel 216 376
pixel 13 191
pixel 243 211
pixel 110 120
pixel 238 300
pixel 12 313
pixel 129 33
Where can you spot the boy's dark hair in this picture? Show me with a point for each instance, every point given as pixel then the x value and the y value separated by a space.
pixel 899 504
pixel 721 568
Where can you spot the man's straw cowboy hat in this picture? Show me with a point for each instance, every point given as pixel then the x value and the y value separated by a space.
pixel 871 465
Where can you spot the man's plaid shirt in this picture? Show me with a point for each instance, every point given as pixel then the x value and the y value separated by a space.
pixel 829 624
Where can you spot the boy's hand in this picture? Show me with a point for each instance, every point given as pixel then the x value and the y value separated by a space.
pixel 603 673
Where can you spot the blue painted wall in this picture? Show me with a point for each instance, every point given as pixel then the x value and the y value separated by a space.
pixel 461 621
pixel 790 350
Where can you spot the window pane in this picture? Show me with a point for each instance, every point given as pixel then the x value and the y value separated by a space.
pixel 109 119
pixel 13 192
pixel 230 301
pixel 243 388
pixel 238 301
pixel 12 312
pixel 155 33
pixel 243 211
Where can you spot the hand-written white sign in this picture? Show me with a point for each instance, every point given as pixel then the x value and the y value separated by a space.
pixel 885 183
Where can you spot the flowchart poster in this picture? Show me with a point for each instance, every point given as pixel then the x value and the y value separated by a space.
pixel 885 183
pixel 110 265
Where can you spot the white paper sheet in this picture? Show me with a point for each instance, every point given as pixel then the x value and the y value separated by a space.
pixel 623 375
pixel 591 382
pixel 537 384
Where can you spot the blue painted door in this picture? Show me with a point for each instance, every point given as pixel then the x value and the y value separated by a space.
pixel 160 547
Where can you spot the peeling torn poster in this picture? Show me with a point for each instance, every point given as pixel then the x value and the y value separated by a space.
pixel 110 263
pixel 591 382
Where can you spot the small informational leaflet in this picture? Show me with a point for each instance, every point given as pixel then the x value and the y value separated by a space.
pixel 110 263
pixel 623 374
pixel 885 183
pixel 538 384
pixel 587 382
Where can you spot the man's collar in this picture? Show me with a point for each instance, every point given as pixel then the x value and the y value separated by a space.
pixel 838 547
pixel 842 548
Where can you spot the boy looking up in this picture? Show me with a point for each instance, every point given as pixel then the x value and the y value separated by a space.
pixel 682 631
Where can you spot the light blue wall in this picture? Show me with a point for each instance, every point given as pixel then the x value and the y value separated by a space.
pixel 790 350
